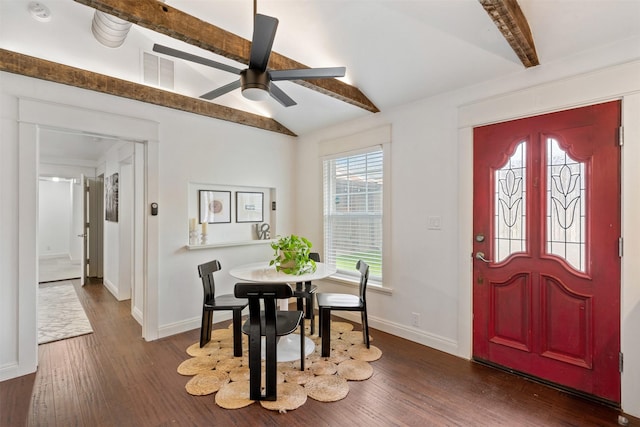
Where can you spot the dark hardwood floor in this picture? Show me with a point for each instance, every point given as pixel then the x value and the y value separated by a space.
pixel 114 378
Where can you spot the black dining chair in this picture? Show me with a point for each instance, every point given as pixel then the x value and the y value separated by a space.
pixel 271 324
pixel 213 303
pixel 344 302
pixel 304 292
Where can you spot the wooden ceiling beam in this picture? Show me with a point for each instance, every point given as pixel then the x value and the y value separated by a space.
pixel 30 66
pixel 164 19
pixel 513 25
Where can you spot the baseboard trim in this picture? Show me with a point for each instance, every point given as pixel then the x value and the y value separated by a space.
pixel 14 370
pixel 412 334
pixel 137 314
pixel 190 324
pixel 114 290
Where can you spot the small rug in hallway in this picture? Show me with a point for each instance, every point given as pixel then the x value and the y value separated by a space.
pixel 214 369
pixel 60 314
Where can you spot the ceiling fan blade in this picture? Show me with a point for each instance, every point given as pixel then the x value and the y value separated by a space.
pixel 221 90
pixel 279 95
pixel 307 73
pixel 194 58
pixel 264 32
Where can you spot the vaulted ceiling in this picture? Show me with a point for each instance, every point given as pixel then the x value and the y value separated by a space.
pixel 395 51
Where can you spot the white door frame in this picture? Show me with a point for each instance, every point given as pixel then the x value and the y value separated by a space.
pixel 33 114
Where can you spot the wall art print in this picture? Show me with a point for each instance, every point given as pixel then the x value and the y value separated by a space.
pixel 249 206
pixel 111 198
pixel 214 206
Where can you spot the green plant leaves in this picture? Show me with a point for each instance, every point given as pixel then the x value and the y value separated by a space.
pixel 291 255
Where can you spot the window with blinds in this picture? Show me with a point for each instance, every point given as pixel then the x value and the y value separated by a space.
pixel 353 212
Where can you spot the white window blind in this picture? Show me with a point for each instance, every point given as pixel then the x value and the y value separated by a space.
pixel 353 212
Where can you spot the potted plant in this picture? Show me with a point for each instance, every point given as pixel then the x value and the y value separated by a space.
pixel 291 255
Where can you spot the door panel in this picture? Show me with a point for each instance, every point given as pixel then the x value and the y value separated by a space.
pixel 547 221
pixel 85 229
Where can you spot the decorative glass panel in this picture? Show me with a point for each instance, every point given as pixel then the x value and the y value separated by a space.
pixel 566 209
pixel 510 202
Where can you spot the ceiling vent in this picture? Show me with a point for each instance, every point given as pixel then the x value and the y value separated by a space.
pixel 109 30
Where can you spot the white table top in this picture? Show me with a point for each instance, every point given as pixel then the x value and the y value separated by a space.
pixel 263 273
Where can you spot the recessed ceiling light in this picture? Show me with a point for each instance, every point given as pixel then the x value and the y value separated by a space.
pixel 39 11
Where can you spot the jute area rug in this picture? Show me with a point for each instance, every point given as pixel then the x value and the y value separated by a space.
pixel 326 379
pixel 60 313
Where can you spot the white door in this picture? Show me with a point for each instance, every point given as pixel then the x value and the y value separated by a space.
pixel 84 202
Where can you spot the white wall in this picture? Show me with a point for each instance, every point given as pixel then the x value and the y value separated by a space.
pixel 189 148
pixel 55 217
pixel 112 238
pixel 431 175
pixel 70 169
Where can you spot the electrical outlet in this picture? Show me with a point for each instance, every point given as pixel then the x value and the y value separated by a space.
pixel 434 223
pixel 415 319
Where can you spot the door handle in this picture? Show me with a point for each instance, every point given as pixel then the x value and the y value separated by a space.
pixel 480 256
pixel 82 235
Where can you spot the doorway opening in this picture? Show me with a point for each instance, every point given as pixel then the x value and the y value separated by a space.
pixel 72 219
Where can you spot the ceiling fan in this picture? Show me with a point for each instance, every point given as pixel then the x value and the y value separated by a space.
pixel 256 81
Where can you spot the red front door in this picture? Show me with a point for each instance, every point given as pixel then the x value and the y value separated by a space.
pixel 546 282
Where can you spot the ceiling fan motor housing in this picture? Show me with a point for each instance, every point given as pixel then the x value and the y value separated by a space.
pixel 255 84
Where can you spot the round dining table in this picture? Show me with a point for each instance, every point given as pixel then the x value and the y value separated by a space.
pixel 288 347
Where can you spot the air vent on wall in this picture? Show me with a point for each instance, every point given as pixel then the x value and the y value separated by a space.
pixel 157 71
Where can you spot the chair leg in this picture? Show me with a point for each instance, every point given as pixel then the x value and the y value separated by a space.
pixel 255 366
pixel 302 342
pixel 310 313
pixel 205 327
pixel 299 305
pixel 271 368
pixel 237 333
pixel 365 327
pixel 325 330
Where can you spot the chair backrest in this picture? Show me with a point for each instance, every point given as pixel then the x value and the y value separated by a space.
pixel 259 290
pixel 269 293
pixel 206 271
pixel 315 256
pixel 363 268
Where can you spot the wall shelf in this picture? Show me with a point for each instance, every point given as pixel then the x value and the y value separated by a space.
pixel 228 244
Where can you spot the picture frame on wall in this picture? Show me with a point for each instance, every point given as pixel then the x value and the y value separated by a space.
pixel 214 206
pixel 249 206
pixel 111 198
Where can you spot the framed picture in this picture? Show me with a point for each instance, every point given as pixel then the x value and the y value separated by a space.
pixel 111 198
pixel 249 206
pixel 215 206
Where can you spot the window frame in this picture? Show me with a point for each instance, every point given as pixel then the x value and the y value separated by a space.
pixel 372 140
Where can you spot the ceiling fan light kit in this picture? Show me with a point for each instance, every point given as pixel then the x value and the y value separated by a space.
pixel 256 81
pixel 255 85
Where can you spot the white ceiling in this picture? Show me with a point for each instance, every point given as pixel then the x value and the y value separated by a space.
pixel 395 51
